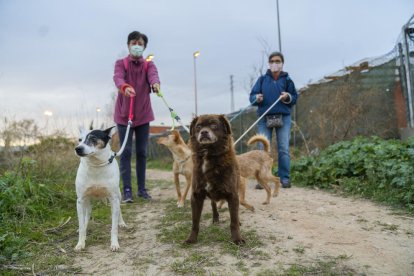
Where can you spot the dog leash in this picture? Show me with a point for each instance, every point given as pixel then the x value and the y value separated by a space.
pixel 238 140
pixel 174 115
pixel 130 117
pixel 241 111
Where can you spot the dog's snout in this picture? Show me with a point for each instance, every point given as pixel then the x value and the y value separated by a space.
pixel 79 149
pixel 204 132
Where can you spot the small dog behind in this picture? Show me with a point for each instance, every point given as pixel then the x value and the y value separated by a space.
pixel 258 164
pixel 97 177
pixel 215 172
pixel 183 164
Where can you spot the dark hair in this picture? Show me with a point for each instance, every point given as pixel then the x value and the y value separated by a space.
pixel 277 54
pixel 137 35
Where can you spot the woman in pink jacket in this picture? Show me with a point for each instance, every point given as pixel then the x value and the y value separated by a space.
pixel 135 76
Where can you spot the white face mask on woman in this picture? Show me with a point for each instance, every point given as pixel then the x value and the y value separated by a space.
pixel 275 67
pixel 136 50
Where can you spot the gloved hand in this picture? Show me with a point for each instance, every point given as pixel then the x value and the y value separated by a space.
pixel 156 87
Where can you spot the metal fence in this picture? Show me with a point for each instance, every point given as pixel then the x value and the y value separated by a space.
pixel 373 96
pixel 405 45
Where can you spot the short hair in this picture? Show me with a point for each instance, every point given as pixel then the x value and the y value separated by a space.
pixel 277 54
pixel 136 36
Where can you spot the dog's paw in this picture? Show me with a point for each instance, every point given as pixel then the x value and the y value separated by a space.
pixel 114 247
pixel 265 202
pixel 275 194
pixel 190 241
pixel 240 241
pixel 122 225
pixel 180 204
pixel 80 246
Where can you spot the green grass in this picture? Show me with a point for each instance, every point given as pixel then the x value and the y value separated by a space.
pixel 175 227
pixel 164 164
pixel 330 266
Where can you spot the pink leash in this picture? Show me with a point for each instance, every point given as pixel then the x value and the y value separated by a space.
pixel 130 117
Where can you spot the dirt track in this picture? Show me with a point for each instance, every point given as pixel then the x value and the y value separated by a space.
pixel 299 227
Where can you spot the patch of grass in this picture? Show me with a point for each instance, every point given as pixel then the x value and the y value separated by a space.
pixel 332 266
pixel 175 226
pixel 388 226
pixel 161 164
pixel 299 250
pixel 194 264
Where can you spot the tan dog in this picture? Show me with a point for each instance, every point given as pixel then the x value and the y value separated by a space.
pixel 183 164
pixel 215 172
pixel 256 164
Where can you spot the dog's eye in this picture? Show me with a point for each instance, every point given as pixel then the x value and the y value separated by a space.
pixel 198 128
pixel 214 126
pixel 80 139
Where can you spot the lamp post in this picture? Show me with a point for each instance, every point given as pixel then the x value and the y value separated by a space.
pixel 97 117
pixel 48 114
pixel 195 55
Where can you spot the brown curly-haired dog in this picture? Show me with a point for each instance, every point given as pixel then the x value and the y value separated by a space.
pixel 215 172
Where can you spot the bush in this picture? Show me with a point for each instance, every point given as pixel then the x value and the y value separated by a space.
pixel 371 167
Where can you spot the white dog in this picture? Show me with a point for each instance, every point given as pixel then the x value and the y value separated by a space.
pixel 97 177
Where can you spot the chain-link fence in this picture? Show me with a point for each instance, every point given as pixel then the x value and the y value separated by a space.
pixel 405 62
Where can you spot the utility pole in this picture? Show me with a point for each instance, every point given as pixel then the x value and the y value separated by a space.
pixel 231 94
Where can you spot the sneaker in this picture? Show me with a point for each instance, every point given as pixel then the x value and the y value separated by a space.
pixel 144 195
pixel 127 197
pixel 286 184
pixel 258 187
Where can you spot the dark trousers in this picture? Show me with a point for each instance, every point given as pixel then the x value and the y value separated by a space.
pixel 141 142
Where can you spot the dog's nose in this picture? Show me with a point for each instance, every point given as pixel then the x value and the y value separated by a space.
pixel 79 150
pixel 204 132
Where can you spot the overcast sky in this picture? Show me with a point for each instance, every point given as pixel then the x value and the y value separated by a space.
pixel 59 55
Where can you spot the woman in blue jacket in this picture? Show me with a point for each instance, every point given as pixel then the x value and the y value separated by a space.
pixel 267 90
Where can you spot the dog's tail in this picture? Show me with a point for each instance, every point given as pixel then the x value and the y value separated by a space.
pixel 260 138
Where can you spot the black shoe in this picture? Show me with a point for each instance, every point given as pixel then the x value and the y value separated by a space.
pixel 286 184
pixel 127 197
pixel 144 195
pixel 258 187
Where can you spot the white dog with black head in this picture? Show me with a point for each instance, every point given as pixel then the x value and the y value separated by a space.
pixel 97 177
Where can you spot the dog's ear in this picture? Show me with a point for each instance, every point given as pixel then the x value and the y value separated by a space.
pixel 226 124
pixel 82 131
pixel 176 135
pixel 111 131
pixel 192 126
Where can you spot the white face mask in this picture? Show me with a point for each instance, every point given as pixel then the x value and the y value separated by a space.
pixel 275 67
pixel 136 50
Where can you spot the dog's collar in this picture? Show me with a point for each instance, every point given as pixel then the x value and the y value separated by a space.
pixel 111 159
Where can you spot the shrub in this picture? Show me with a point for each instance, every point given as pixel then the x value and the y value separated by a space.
pixel 371 167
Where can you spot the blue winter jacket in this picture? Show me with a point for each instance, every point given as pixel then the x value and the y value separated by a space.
pixel 271 90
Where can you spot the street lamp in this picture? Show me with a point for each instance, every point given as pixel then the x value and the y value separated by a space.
pixel 97 117
pixel 48 114
pixel 195 54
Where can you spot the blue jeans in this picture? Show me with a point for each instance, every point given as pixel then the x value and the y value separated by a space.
pixel 282 137
pixel 141 142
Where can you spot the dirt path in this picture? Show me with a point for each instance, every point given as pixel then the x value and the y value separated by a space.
pixel 301 227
